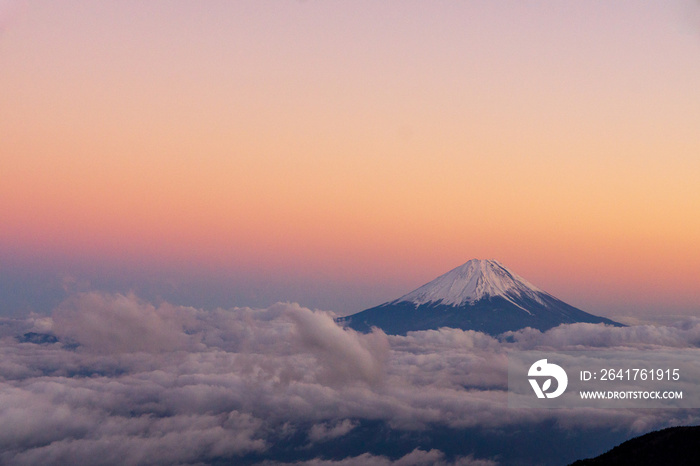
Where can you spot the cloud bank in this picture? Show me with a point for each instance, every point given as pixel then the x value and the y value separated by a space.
pixel 129 382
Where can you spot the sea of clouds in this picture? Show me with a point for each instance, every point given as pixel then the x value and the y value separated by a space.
pixel 130 382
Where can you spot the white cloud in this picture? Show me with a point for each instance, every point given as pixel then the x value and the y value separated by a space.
pixel 328 431
pixel 118 323
pixel 182 385
pixel 417 457
pixel 681 334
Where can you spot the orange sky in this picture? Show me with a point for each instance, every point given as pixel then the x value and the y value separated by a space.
pixel 359 144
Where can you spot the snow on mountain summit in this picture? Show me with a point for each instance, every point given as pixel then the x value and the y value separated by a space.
pixel 471 282
pixel 481 295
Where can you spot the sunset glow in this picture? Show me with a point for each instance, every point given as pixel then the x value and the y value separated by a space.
pixel 346 144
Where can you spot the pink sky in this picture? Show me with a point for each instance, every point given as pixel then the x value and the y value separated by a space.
pixel 348 152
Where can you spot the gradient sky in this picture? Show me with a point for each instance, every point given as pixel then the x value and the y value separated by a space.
pixel 340 154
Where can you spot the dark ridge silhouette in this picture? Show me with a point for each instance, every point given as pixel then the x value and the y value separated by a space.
pixel 675 446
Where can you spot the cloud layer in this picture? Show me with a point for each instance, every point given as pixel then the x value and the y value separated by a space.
pixel 130 382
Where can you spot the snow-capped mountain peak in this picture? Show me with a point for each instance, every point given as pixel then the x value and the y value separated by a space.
pixel 471 282
pixel 481 295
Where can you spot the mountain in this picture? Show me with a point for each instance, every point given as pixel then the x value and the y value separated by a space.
pixel 676 445
pixel 481 295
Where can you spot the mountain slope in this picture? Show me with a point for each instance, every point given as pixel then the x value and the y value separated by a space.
pixel 675 445
pixel 481 295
